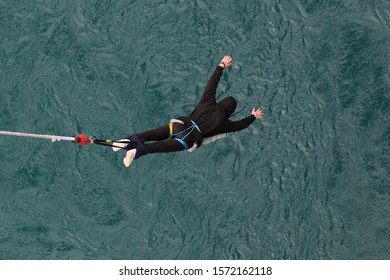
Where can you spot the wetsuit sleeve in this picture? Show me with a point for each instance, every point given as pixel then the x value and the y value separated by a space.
pixel 231 126
pixel 211 88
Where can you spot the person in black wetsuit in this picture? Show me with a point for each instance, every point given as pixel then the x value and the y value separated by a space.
pixel 208 119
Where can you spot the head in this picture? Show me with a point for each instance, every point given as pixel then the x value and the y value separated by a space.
pixel 229 105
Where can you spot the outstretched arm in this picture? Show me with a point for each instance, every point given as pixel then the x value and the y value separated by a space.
pixel 211 88
pixel 231 126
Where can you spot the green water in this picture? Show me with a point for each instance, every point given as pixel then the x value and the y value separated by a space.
pixel 309 181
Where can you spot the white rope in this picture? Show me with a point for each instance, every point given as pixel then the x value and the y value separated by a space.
pixel 53 138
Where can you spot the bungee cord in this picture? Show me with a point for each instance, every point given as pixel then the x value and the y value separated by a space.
pixel 80 139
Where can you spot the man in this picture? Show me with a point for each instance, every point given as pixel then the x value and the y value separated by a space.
pixel 187 133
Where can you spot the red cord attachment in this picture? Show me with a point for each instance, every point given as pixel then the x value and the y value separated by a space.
pixel 81 139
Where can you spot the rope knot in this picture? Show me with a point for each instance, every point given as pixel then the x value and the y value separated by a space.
pixel 81 139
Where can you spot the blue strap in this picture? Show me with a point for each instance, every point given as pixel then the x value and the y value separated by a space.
pixel 182 142
pixel 196 126
pixel 190 129
pixel 184 130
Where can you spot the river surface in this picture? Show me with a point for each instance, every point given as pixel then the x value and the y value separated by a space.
pixel 308 181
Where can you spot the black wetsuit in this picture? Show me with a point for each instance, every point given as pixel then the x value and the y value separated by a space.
pixel 211 117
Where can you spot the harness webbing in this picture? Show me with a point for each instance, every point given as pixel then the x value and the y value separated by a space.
pixel 190 129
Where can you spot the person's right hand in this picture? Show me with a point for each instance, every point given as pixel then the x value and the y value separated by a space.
pixel 226 61
pixel 257 113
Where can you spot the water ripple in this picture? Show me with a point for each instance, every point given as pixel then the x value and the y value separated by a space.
pixel 307 182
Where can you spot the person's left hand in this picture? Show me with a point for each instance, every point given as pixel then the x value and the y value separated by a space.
pixel 257 113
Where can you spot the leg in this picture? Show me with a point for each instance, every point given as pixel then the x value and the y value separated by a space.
pixel 166 146
pixel 157 134
pixel 136 140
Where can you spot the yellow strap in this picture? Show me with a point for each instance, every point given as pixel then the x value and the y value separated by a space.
pixel 170 128
pixel 171 125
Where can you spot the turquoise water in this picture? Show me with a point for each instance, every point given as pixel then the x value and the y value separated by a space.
pixel 309 181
